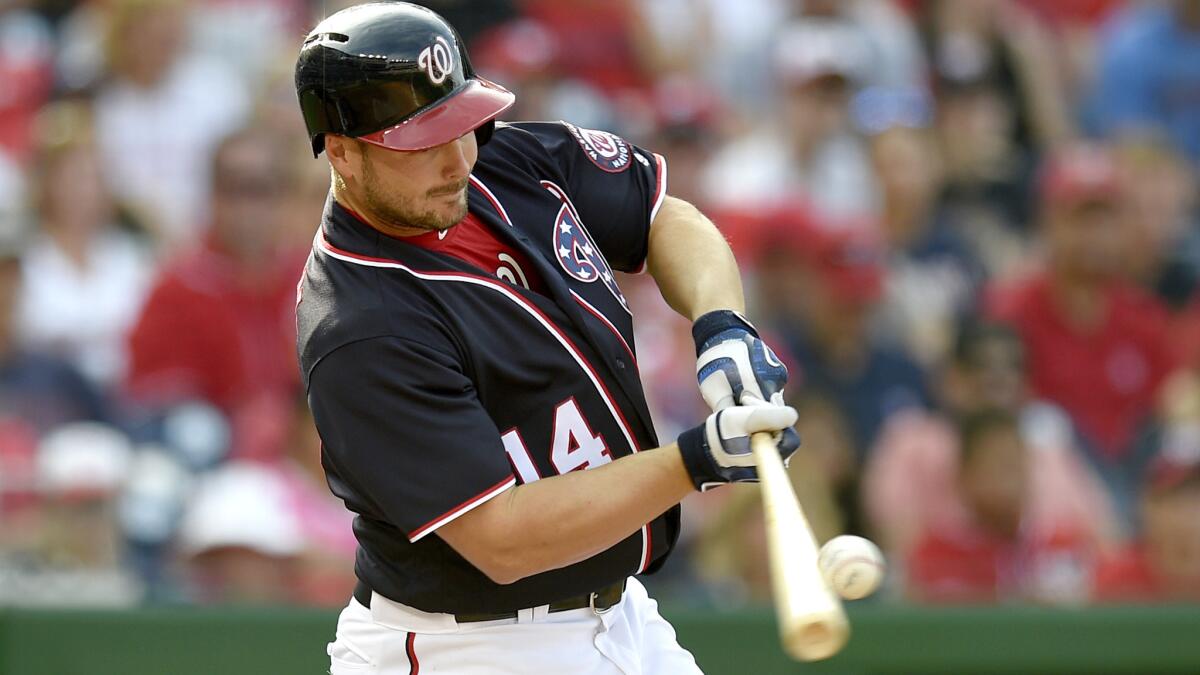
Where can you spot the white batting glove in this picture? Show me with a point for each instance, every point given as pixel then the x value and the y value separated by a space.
pixel 734 366
pixel 718 451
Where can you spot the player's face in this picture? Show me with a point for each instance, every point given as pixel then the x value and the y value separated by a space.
pixel 422 190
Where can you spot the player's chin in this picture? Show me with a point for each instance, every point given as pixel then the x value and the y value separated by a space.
pixel 449 210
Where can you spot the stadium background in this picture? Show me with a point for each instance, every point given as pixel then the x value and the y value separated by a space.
pixel 970 227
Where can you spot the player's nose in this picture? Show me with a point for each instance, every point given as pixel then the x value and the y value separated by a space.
pixel 459 156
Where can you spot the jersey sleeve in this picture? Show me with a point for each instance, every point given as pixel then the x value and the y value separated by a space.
pixel 403 429
pixel 616 187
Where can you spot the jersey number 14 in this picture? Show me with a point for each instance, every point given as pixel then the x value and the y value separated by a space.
pixel 573 445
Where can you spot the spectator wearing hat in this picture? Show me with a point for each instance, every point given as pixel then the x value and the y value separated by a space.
pixel 839 281
pixel 1163 565
pixel 263 533
pixel 79 543
pixel 819 290
pixel 1096 344
pixel 808 150
pixel 239 540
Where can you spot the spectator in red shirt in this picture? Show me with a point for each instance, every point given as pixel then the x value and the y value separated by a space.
pixel 993 555
pixel 219 324
pixel 1164 565
pixel 910 479
pixel 1097 345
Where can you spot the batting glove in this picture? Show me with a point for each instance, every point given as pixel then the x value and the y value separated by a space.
pixel 734 366
pixel 718 451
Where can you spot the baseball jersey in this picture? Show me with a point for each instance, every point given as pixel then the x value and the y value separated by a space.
pixel 436 383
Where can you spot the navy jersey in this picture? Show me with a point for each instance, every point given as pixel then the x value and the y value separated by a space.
pixel 437 385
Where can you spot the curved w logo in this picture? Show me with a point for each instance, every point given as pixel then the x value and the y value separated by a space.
pixel 437 59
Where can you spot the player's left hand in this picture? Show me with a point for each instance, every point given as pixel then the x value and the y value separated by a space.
pixel 718 451
pixel 735 367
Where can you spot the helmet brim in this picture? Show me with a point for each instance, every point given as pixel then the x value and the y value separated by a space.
pixel 471 107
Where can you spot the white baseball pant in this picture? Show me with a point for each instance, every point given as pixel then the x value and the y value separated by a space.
pixel 388 638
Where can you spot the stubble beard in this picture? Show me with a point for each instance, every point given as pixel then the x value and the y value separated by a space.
pixel 401 212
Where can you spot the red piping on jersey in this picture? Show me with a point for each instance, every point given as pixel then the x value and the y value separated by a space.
pixel 594 312
pixel 660 186
pixel 462 508
pixel 491 197
pixel 507 292
pixel 647 546
pixel 660 194
pixel 414 666
pixel 561 195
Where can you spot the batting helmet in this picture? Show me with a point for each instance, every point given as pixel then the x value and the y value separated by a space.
pixel 393 74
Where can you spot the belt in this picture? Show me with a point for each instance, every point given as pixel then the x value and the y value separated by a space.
pixel 599 601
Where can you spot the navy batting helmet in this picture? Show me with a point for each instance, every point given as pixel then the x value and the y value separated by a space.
pixel 393 74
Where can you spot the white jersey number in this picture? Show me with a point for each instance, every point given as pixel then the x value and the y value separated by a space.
pixel 572 445
pixel 518 455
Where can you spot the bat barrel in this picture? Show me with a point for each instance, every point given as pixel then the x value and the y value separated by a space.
pixel 812 623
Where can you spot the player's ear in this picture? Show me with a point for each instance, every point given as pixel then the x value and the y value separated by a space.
pixel 344 153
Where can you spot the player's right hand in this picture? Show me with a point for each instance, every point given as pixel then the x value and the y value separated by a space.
pixel 733 365
pixel 718 451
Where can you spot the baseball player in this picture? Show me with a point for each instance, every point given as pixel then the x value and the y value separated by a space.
pixel 470 364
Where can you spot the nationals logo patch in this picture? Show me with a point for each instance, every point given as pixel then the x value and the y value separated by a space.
pixel 576 252
pixel 607 151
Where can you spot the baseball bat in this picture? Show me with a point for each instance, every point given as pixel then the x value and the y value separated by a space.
pixel 812 623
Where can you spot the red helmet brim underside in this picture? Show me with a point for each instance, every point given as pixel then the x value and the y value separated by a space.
pixel 470 108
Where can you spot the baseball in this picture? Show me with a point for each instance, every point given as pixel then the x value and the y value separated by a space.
pixel 852 566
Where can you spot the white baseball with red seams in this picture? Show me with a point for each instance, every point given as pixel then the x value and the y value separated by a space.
pixel 852 566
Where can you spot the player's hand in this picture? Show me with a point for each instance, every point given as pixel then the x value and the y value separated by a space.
pixel 734 366
pixel 718 451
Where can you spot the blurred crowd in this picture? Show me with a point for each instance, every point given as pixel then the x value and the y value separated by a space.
pixel 969 227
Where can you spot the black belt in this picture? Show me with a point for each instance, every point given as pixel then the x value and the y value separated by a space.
pixel 603 599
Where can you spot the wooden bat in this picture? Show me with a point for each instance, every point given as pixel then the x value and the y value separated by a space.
pixel 812 623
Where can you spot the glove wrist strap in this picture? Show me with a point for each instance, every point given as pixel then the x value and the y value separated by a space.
pixel 692 447
pixel 716 321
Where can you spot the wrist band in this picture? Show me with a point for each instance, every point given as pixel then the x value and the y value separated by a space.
pixel 695 456
pixel 714 322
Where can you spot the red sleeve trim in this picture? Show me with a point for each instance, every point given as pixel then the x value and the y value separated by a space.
pixel 660 187
pixel 462 508
pixel 660 193
pixel 647 547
